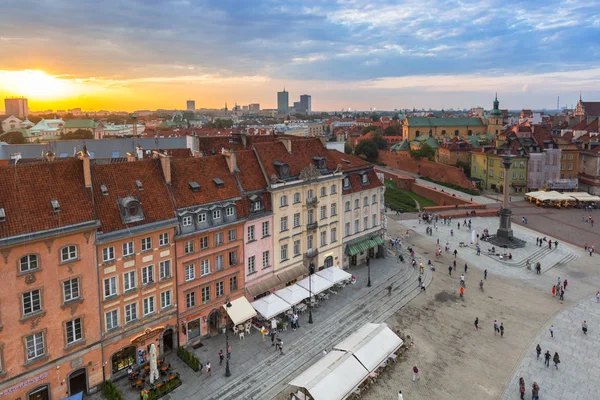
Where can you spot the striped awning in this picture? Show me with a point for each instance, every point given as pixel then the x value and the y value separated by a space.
pixel 360 246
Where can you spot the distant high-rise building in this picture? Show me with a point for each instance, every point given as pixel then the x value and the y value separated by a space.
pixel 298 107
pixel 16 106
pixel 283 102
pixel 254 107
pixel 306 103
pixel 191 105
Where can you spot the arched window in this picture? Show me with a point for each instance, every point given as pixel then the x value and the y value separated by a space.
pixel 68 253
pixel 28 263
pixel 456 132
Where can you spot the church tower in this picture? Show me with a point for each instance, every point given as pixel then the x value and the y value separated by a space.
pixel 495 119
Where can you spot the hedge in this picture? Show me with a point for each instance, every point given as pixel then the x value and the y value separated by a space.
pixel 169 386
pixel 111 392
pixel 189 359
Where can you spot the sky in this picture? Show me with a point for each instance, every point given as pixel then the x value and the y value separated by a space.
pixel 347 54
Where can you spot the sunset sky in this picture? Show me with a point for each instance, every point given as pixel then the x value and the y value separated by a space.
pixel 358 54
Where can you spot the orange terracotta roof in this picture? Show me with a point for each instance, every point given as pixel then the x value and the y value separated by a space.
pixel 357 186
pixel 250 175
pixel 120 180
pixel 26 191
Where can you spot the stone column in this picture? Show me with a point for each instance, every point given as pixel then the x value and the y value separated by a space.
pixel 505 229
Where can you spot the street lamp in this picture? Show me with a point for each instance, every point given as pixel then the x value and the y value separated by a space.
pixel 369 271
pixel 228 306
pixel 311 270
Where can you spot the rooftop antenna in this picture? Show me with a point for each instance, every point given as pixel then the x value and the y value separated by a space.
pixel 558 103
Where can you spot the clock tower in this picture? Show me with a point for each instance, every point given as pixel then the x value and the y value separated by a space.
pixel 495 119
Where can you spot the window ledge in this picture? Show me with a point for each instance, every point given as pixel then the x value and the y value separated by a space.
pixel 29 271
pixel 145 251
pixel 108 262
pixel 164 245
pixel 71 302
pixel 37 314
pixel 250 241
pixel 167 308
pixel 251 273
pixel 265 236
pixel 132 322
pixel 128 256
pixel 112 330
pixel 70 261
pixel 147 285
pixel 150 314
pixel 111 297
pixel 268 266
pixel 131 290
pixel 73 345
pixel 36 360
pixel 166 278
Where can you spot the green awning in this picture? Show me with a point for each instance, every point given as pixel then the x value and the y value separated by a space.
pixel 378 240
pixel 363 245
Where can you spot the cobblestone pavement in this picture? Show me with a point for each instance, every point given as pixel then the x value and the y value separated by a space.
pixel 578 371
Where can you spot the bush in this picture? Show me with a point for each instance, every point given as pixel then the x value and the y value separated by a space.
pixel 453 186
pixel 111 392
pixel 166 388
pixel 189 358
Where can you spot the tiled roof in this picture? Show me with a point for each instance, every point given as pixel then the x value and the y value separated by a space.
pixel 591 108
pixel 581 125
pixel 202 171
pixel 120 180
pixel 250 175
pixel 26 191
pixel 357 186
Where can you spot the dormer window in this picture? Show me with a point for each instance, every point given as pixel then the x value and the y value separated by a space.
pixel 131 209
pixel 201 218
pixel 364 179
pixel 186 221
pixel 229 211
pixel 216 214
pixel 256 206
pixel 194 186
pixel 219 182
pixel 282 168
pixel 320 162
pixel 346 182
pixel 104 190
pixel 55 205
pixel 2 215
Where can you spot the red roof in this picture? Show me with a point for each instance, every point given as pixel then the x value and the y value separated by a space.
pixel 250 175
pixel 120 180
pixel 357 186
pixel 581 125
pixel 27 190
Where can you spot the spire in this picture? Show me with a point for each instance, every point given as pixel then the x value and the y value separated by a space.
pixel 496 96
pixel 580 96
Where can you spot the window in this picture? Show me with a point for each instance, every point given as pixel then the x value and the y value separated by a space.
pixel 521 175
pixel 333 189
pixel 229 211
pixel 251 233
pixel 205 267
pixel 501 174
pixel 311 215
pixel 365 223
pixel 216 214
pixel 347 229
pixel 110 287
pixel 514 174
pixel 32 302
pixel 204 242
pixel 233 284
pixel 233 257
pixel 284 225
pixel 165 269
pixel 266 259
pixel 296 197
pixel 296 220
pixel 166 299
pixel 265 228
pixel 283 201
pixel 296 248
pixel 323 191
pixel 220 288
pixel 570 167
pixel 190 299
pixel 128 249
pixel 374 220
pixel 232 235
pixel 148 275
pixel 205 294
pixel 333 209
pixel 364 178
pixel 491 173
pixel 130 312
pixel 29 263
pixel 522 164
pixel 187 220
pixel 68 253
pixel 346 182
pixel 570 156
pixel 323 238
pixel 189 247
pixel 146 244
pixel 356 203
pixel 74 331
pixel 129 281
pixel 112 319
pixel 35 346
pixel 347 206
pixel 219 264
pixel 365 201
pixel 218 239
pixel 374 199
pixel 163 239
pixel 108 254
pixel 491 164
pixel 310 194
pixel 149 305
pixel 356 226
pixel 251 265
pixel 71 289
pixel 284 252
pixel 256 206
pixel 190 272
pixel 323 212
pixel 201 218
pixel 333 235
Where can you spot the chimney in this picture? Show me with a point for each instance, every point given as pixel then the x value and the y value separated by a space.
pixel 131 157
pixel 287 142
pixel 231 159
pixel 198 154
pixel 139 152
pixel 165 163
pixel 87 173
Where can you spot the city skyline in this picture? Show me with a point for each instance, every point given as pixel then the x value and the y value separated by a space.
pixel 348 54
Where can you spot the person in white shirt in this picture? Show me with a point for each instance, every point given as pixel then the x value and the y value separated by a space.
pixel 400 397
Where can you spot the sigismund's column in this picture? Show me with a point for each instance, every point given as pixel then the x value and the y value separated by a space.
pixel 505 229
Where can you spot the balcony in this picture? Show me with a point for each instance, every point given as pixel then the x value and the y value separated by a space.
pixel 312 226
pixel 310 254
pixel 312 201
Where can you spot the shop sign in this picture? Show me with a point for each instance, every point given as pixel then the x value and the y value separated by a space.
pixel 147 335
pixel 24 384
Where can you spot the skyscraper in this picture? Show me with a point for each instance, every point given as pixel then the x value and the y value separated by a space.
pixel 306 103
pixel 16 106
pixel 191 105
pixel 283 102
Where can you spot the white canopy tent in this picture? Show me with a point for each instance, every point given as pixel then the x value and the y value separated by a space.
pixel 293 294
pixel 270 306
pixel 583 196
pixel 334 275
pixel 240 311
pixel 372 344
pixel 333 377
pixel 318 283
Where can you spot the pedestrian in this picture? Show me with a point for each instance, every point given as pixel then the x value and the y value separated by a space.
pixel 476 322
pixel 324 353
pixel 455 253
pixel 585 247
pixel 450 271
pixel 584 327
pixel 422 286
pixel 522 387
pixel 207 367
pixel 547 358
pixel 565 284
pixel 537 241
pixel 280 347
pixel 415 373
pixel 485 274
pixel 502 329
pixel 400 397
pixel 478 250
pixel 553 290
pixel 495 327
pixel 229 353
pixel 552 331
pixel 273 337
pixel 466 267
pixel 451 232
pixel 538 268
pixel 263 331
pixel 420 280
pixel 454 264
pixel 550 244
pixel 555 244
pixel 562 294
pixel 556 359
pixel 598 297
pixel 538 350
pixel 221 357
pixel 535 389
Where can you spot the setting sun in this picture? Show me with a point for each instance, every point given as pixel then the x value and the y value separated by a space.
pixel 37 84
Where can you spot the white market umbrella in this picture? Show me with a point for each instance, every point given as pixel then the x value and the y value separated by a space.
pixel 318 284
pixel 293 294
pixel 153 364
pixel 335 275
pixel 270 306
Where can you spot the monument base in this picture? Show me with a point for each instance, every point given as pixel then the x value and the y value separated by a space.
pixel 511 242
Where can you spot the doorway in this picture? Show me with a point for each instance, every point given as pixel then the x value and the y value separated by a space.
pixel 214 322
pixel 41 393
pixel 328 262
pixel 78 382
pixel 168 340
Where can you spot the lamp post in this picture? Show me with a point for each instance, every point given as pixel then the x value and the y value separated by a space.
pixel 311 270
pixel 369 271
pixel 227 370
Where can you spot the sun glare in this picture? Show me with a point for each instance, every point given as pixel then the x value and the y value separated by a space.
pixel 37 85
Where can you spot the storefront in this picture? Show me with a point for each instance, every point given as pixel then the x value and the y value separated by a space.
pixel 123 359
pixel 193 329
pixel 40 393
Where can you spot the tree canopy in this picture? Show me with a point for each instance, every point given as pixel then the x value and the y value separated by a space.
pixel 380 142
pixel 12 138
pixel 426 151
pixel 219 123
pixel 78 134
pixel 368 148
pixel 393 130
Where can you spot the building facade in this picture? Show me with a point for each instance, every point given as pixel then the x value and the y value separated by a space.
pixel 306 103
pixel 16 106
pixel 283 102
pixel 440 128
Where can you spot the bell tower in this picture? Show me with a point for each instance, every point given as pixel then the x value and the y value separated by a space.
pixel 495 119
